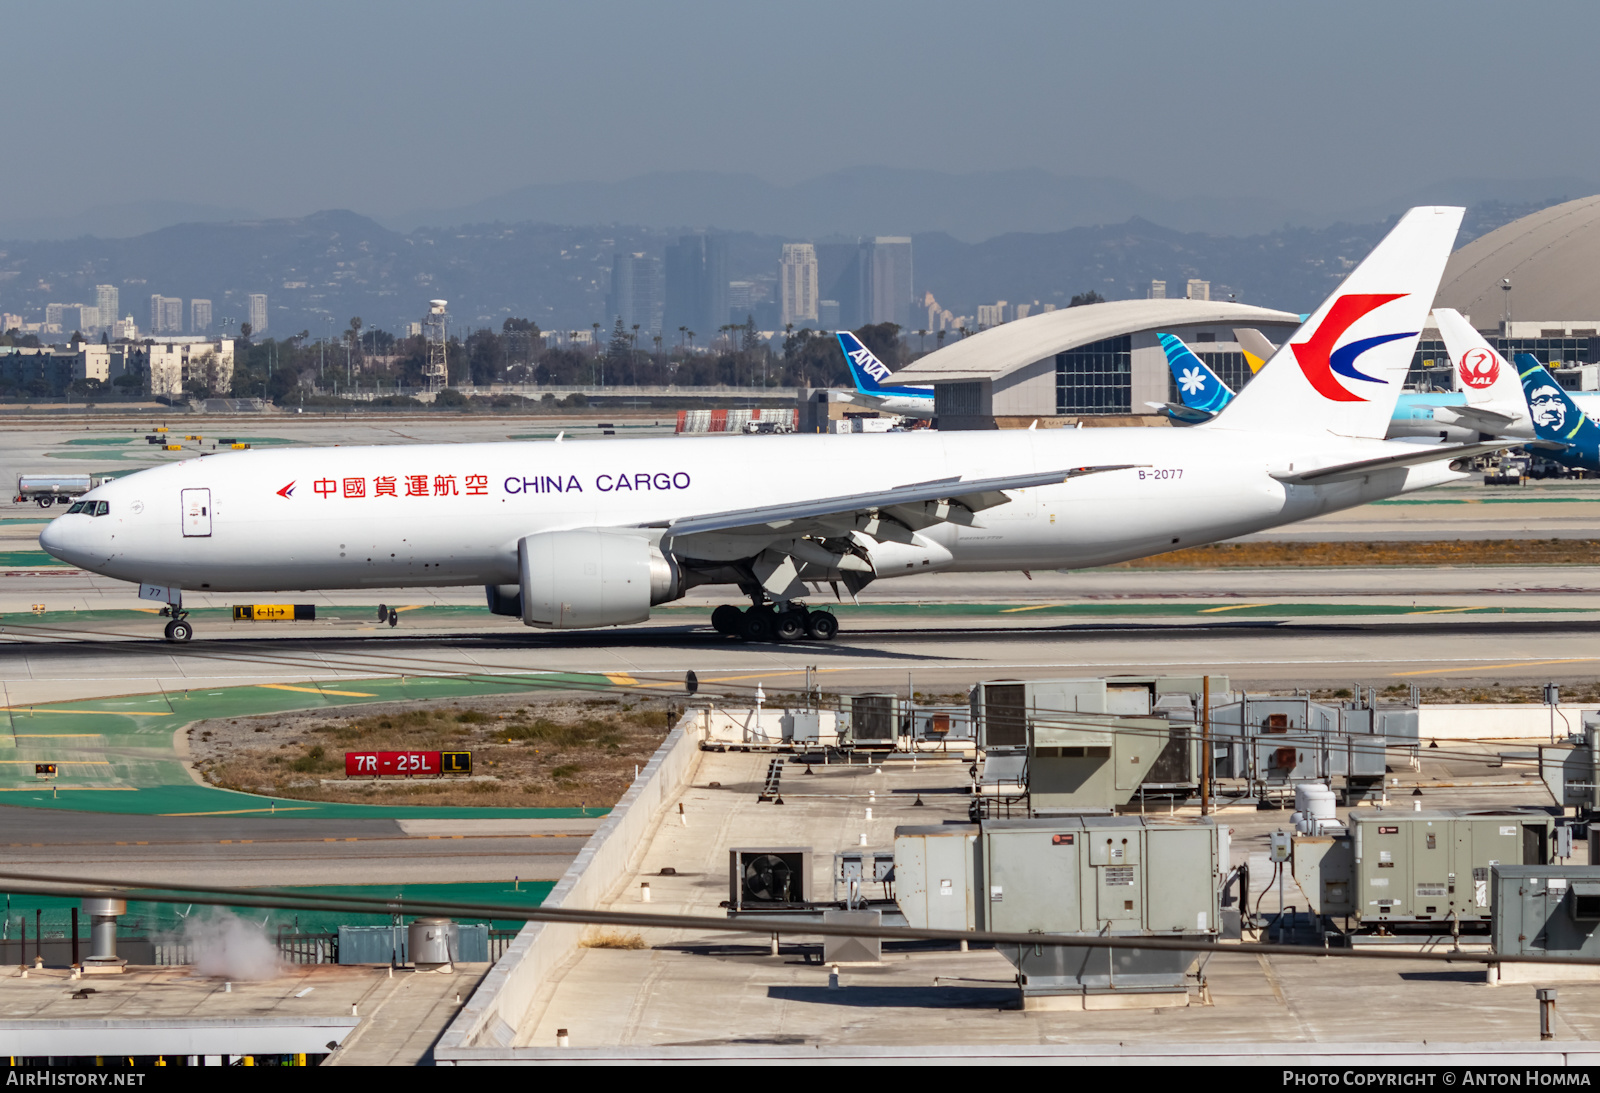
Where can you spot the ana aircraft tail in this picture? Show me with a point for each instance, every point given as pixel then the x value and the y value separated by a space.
pixel 868 372
pixel 1199 388
pixel 1343 370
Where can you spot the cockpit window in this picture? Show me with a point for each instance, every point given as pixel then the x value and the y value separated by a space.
pixel 78 506
pixel 100 507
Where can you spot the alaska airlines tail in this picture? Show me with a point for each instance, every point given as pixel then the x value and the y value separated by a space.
pixel 1343 370
pixel 869 372
pixel 1199 387
pixel 1556 417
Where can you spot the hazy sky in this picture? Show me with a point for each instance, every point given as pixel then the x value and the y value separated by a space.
pixel 292 106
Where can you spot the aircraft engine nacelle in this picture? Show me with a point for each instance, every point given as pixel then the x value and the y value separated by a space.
pixel 591 577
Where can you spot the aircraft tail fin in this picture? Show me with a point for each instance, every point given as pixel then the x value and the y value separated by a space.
pixel 1199 387
pixel 866 370
pixel 1343 370
pixel 1254 345
pixel 1490 383
pixel 1556 417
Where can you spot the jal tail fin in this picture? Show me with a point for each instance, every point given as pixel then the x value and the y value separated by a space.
pixel 1255 347
pixel 1555 416
pixel 866 370
pixel 1343 370
pixel 1490 383
pixel 1199 387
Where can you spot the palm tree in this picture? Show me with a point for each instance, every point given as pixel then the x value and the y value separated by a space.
pixel 922 343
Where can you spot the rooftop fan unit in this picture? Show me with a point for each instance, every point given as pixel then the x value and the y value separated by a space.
pixel 768 877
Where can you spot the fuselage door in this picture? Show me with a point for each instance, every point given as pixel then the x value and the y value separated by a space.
pixel 196 513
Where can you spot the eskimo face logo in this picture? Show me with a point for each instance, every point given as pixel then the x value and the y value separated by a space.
pixel 1548 407
pixel 1318 358
pixel 1479 368
pixel 872 366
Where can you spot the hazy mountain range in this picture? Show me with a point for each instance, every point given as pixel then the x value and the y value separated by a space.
pixel 320 270
pixel 855 201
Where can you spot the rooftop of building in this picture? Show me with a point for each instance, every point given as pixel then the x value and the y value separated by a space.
pixel 1002 349
pixel 1548 256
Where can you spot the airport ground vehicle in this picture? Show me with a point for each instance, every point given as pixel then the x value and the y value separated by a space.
pixel 45 490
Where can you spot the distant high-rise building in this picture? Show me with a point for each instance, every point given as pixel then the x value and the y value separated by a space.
pixel 840 278
pixel 55 315
pixel 890 292
pixel 258 312
pixel 696 293
pixel 107 302
pixel 828 314
pixel 991 314
pixel 166 314
pixel 1198 289
pixel 797 284
pixel 199 316
pixel 635 295
pixel 88 318
pixel 871 280
pixel 1158 290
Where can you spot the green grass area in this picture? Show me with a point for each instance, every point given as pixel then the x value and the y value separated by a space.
pixel 27 559
pixel 117 755
pixel 145 918
pixel 129 455
pixel 106 440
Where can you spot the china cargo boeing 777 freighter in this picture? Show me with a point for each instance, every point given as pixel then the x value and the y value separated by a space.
pixel 573 535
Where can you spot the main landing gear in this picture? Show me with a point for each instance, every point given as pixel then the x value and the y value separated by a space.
pixel 766 622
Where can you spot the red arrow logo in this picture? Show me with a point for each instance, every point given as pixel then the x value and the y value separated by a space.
pixel 1314 354
pixel 287 491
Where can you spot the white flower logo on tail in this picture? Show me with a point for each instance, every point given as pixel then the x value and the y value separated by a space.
pixel 1193 380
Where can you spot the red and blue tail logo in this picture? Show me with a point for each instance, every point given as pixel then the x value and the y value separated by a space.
pixel 1318 358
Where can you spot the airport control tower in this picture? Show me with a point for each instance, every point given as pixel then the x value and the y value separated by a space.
pixel 436 372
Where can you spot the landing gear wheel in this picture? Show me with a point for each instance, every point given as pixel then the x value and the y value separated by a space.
pixel 394 617
pixel 179 631
pixel 759 624
pixel 727 619
pixel 383 612
pixel 790 626
pixel 822 625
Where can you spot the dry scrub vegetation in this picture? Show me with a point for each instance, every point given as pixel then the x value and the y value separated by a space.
pixel 1438 552
pixel 549 753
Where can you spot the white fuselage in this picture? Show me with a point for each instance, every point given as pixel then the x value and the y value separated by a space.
pixel 443 514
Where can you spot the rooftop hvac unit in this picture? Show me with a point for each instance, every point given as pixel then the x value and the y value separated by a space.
pixel 875 720
pixel 768 877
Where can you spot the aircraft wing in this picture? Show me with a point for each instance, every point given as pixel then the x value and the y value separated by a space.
pixel 835 538
pixel 1340 472
pixel 971 494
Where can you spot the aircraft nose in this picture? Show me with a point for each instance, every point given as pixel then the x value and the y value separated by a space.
pixel 58 539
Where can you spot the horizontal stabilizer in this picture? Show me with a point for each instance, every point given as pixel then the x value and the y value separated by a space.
pixel 1340 472
pixel 1474 417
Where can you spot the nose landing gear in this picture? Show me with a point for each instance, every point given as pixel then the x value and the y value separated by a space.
pixel 765 622
pixel 180 629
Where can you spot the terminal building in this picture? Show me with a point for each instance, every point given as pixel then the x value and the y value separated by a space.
pixel 1099 362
